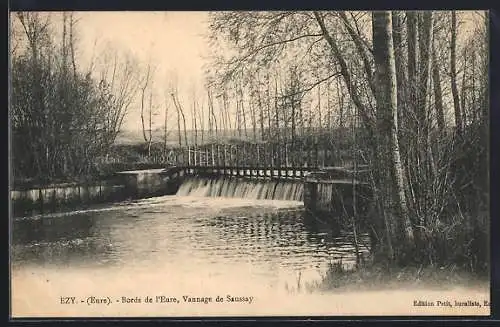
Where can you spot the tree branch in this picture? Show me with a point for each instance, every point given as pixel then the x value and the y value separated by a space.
pixel 361 47
pixel 272 44
pixel 345 72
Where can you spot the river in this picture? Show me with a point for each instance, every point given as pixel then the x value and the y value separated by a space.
pixel 254 251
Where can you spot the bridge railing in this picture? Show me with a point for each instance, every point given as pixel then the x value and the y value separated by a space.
pixel 259 155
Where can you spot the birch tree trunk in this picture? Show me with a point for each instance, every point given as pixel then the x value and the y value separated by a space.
pixel 397 36
pixel 387 124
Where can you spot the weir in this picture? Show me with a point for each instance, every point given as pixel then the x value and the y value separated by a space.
pixel 333 190
pixel 234 187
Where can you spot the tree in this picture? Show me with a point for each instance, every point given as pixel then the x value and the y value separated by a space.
pixel 453 67
pixel 64 118
pixel 165 124
pixel 383 51
pixel 384 68
pixel 146 83
pixel 436 83
pixel 180 113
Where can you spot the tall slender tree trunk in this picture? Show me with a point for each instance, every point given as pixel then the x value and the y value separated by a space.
pixel 388 127
pixel 397 36
pixel 268 103
pixel 254 121
pixel 453 68
pixel 165 128
pixel 143 94
pixel 150 134
pixel 202 123
pixel 194 122
pixel 340 98
pixel 212 113
pixel 473 87
pixel 72 43
pixel 179 134
pixel 427 169
pixel 412 38
pixel 463 97
pixel 226 110
pixel 243 112
pixel 261 114
pixel 183 122
pixel 438 95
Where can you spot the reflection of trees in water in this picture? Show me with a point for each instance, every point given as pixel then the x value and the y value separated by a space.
pixel 289 230
pixel 289 234
pixel 59 239
pixel 277 228
pixel 283 228
pixel 320 224
pixel 329 229
pixel 52 229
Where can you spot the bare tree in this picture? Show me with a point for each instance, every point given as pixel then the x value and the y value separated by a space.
pixel 194 118
pixel 386 76
pixel 387 120
pixel 438 97
pixel 70 116
pixel 165 124
pixel 146 134
pixel 212 112
pixel 453 72
pixel 180 111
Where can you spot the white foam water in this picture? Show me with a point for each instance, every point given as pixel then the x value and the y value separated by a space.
pixel 242 188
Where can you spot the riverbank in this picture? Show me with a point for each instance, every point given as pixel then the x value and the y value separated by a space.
pixel 36 293
pixel 374 277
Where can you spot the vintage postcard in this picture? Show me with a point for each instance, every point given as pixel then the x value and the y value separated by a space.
pixel 249 163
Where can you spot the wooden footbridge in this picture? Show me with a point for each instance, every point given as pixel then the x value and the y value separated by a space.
pixel 255 160
pixel 326 186
pixel 314 169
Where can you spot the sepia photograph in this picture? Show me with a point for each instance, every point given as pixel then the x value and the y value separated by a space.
pixel 249 163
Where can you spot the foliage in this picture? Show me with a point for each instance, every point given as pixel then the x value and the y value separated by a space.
pixel 62 118
pixel 396 73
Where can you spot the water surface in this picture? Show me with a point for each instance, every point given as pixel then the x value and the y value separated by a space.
pixel 176 246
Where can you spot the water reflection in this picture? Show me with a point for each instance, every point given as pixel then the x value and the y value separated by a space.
pixel 185 235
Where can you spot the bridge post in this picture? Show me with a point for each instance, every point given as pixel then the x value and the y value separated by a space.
pixel 258 154
pixel 189 155
pixel 244 157
pixel 213 157
pixel 218 155
pixel 273 159
pixel 224 148
pixel 316 154
pixel 194 154
pixel 234 156
pixel 324 156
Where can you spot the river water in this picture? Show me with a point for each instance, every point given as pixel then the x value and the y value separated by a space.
pixel 271 241
pixel 174 246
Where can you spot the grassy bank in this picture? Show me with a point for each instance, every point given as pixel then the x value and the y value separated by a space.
pixel 379 277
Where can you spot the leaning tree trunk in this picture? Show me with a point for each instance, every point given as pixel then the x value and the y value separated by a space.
pixel 453 68
pixel 387 125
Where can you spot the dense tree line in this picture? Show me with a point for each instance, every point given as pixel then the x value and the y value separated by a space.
pixel 417 82
pixel 64 117
pixel 408 90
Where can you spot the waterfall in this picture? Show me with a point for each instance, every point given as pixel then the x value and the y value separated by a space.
pixel 258 189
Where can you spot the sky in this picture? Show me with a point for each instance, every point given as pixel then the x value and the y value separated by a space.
pixel 174 41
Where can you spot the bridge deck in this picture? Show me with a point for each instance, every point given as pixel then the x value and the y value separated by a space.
pixel 330 175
